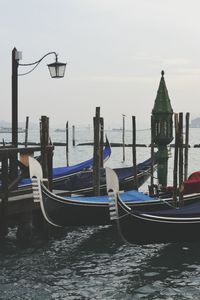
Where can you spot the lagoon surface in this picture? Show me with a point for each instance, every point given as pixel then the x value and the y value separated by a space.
pixel 92 262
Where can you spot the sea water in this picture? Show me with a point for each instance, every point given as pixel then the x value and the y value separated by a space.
pixel 92 262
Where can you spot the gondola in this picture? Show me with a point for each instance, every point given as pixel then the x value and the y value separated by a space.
pixel 82 182
pixel 161 225
pixel 82 210
pixel 62 175
pixel 59 173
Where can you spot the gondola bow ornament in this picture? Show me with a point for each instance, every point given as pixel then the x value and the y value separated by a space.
pixel 112 183
pixel 36 175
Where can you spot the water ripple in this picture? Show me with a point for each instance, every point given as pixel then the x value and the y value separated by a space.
pixel 93 263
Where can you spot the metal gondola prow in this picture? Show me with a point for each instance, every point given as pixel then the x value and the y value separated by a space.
pixel 35 168
pixel 112 181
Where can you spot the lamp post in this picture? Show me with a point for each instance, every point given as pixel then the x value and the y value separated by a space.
pixel 15 63
pixel 56 69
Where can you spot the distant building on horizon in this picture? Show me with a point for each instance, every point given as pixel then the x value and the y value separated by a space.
pixel 195 123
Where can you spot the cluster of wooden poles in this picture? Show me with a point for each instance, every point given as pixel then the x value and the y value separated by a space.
pixel 98 149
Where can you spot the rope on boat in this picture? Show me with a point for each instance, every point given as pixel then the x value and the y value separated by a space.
pixel 169 204
pixel 121 217
pixel 149 173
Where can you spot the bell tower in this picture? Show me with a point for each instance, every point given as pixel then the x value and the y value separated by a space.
pixel 162 128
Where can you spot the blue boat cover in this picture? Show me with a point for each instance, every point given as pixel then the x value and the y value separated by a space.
pixel 85 165
pixel 189 210
pixel 130 196
pixel 63 171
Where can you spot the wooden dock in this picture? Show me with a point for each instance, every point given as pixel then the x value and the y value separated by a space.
pixel 17 208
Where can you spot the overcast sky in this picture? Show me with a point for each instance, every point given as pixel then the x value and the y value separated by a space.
pixel 115 50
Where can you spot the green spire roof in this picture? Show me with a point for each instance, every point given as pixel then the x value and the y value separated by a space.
pixel 162 103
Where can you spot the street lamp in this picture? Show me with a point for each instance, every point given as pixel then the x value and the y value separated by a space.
pixel 56 69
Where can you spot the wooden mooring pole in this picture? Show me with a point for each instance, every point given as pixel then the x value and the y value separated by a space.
pixel 67 143
pixel 175 171
pixel 152 151
pixel 180 159
pixel 187 121
pixel 96 160
pixel 73 136
pixel 4 197
pixel 135 183
pixel 44 141
pixel 101 141
pixel 46 151
pixel 26 132
pixel 46 166
pixel 123 137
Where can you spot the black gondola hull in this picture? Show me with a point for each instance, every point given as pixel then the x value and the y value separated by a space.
pixel 149 226
pixel 68 211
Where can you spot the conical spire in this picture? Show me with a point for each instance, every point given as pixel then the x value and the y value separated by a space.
pixel 162 103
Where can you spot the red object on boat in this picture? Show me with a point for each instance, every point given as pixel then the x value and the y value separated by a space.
pixel 192 184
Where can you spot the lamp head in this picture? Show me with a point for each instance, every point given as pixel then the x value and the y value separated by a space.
pixel 57 69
